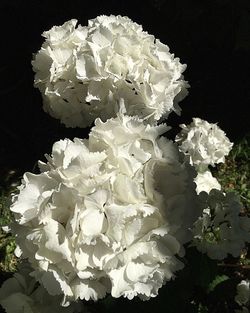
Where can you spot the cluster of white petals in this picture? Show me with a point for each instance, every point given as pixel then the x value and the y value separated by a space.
pixel 243 296
pixel 205 143
pixel 22 294
pixel 205 181
pixel 82 72
pixel 107 214
pixel 221 230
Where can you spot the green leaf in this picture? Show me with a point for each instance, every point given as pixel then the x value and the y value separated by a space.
pixel 218 280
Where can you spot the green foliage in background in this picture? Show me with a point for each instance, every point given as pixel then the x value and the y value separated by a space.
pixel 234 174
pixel 7 243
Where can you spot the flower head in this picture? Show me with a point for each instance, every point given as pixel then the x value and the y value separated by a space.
pixel 82 72
pixel 107 214
pixel 205 143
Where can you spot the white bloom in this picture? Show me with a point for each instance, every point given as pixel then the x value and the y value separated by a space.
pixel 82 72
pixel 205 143
pixel 107 214
pixel 206 182
pixel 243 296
pixel 6 229
pixel 22 294
pixel 221 230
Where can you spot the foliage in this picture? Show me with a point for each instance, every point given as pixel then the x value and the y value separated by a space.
pixel 7 243
pixel 234 174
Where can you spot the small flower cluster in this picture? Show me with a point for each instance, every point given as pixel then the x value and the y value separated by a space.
pixel 205 143
pixel 82 72
pixel 220 230
pixel 206 182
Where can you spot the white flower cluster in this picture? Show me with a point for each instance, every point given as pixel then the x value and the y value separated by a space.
pixel 22 294
pixel 243 296
pixel 221 230
pixel 205 143
pixel 82 72
pixel 206 182
pixel 107 214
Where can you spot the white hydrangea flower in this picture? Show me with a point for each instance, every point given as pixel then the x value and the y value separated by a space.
pixel 22 294
pixel 82 72
pixel 243 296
pixel 206 182
pixel 205 143
pixel 221 230
pixel 107 214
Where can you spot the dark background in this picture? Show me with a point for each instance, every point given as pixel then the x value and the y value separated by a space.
pixel 211 36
